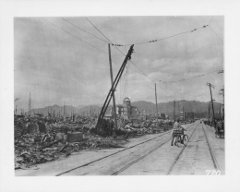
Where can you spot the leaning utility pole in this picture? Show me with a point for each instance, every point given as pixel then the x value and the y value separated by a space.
pixel 156 100
pixel 113 87
pixel 210 89
pixel 113 94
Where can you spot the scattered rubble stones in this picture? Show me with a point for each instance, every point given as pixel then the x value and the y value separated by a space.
pixel 40 139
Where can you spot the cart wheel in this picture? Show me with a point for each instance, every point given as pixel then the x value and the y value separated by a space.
pixel 175 141
pixel 185 139
pixel 75 147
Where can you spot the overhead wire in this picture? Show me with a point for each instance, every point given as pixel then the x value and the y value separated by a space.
pixel 72 35
pixel 151 41
pixel 194 77
pixel 215 33
pixel 117 48
pixel 98 29
pixel 83 30
pixel 160 39
pixel 218 43
pixel 143 42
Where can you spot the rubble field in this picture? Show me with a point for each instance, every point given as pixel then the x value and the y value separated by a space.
pixel 41 139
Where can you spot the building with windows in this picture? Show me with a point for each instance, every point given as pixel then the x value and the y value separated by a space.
pixel 127 111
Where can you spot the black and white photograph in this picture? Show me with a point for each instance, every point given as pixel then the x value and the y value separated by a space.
pixel 136 96
pixel 119 95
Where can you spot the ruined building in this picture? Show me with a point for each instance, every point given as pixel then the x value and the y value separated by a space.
pixel 127 111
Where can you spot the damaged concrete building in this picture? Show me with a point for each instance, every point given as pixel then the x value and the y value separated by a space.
pixel 127 111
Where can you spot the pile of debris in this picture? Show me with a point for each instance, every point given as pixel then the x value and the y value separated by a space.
pixel 41 139
pixel 38 141
pixel 40 148
pixel 139 128
pixel 132 128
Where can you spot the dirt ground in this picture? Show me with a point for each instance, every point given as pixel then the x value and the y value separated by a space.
pixel 155 156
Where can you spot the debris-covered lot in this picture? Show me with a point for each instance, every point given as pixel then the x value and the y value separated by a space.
pixel 39 139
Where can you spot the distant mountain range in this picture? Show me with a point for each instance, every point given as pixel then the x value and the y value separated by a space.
pixel 143 106
pixel 180 106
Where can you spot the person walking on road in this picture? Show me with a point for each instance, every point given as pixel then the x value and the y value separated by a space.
pixel 176 129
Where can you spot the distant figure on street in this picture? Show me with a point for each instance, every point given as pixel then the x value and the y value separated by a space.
pixel 176 128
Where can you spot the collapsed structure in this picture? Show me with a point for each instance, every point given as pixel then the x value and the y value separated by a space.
pixel 127 111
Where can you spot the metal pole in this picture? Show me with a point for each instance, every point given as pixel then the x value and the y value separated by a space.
pixel 156 100
pixel 174 105
pixel 111 74
pixel 210 89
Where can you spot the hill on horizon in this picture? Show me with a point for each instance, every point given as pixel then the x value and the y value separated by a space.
pixel 180 106
pixel 143 106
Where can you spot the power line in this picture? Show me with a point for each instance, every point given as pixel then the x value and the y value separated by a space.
pixel 220 38
pixel 184 79
pixel 98 29
pixel 83 30
pixel 72 35
pixel 141 72
pixel 161 39
pixel 119 50
pixel 109 41
pixel 151 41
pixel 144 42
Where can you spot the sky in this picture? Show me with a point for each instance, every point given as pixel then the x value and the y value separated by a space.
pixel 64 60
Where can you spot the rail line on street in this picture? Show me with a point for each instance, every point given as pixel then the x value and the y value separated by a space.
pixel 104 157
pixel 180 153
pixel 140 158
pixel 213 157
pixel 125 149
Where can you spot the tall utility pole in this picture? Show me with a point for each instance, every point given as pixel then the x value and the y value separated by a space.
pixel 156 100
pixel 209 109
pixel 210 89
pixel 113 87
pixel 174 108
pixel 111 75
pixel 222 93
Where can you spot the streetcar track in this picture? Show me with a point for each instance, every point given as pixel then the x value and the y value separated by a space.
pixel 104 157
pixel 181 152
pixel 214 160
pixel 125 167
pixel 140 158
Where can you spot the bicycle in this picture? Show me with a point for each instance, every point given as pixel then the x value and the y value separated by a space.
pixel 180 137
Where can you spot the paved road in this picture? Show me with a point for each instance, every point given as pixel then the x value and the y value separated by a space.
pixel 203 154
